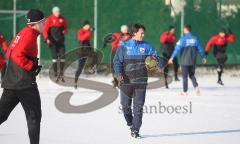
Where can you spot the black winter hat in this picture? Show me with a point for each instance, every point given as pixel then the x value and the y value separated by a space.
pixel 223 30
pixel 34 16
pixel 86 22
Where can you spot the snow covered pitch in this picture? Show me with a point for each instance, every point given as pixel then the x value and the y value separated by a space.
pixel 214 116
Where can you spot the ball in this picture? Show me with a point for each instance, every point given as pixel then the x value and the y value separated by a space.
pixel 151 63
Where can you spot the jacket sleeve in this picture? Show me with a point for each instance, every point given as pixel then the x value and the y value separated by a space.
pixel 3 43
pixel 46 27
pixel 84 35
pixel 231 38
pixel 5 46
pixel 65 26
pixel 118 61
pixel 200 50
pixel 163 38
pixel 210 43
pixel 19 54
pixel 179 46
pixel 154 53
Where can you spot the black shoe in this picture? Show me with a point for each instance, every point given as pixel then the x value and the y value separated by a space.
pixel 135 134
pixel 220 82
pixel 177 79
pixel 75 83
pixel 75 86
pixel 166 85
pixel 60 77
pixel 57 79
pixel 115 83
pixel 63 80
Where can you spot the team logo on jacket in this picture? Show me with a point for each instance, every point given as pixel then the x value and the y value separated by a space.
pixel 142 50
pixel 60 20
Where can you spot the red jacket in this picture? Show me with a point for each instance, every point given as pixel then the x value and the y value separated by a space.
pixel 167 37
pixel 54 27
pixel 23 46
pixel 84 35
pixel 219 41
pixel 4 46
pixel 118 37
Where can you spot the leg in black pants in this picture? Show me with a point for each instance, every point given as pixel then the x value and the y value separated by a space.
pixel 31 103
pixel 136 95
pixel 8 102
pixel 84 51
pixel 165 70
pixel 175 66
pixel 221 62
pixel 115 81
pixel 81 63
pixel 54 53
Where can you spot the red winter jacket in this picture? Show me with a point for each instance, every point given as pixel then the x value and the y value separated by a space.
pixel 55 28
pixel 219 41
pixel 4 46
pixel 167 37
pixel 21 52
pixel 118 37
pixel 23 46
pixel 84 35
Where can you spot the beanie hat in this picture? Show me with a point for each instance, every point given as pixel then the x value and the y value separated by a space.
pixel 34 16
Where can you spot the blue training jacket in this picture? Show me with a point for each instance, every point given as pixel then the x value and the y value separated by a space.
pixel 188 46
pixel 129 61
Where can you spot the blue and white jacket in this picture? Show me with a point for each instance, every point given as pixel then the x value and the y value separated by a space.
pixel 129 61
pixel 188 46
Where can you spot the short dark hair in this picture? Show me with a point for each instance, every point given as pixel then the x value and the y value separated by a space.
pixel 135 28
pixel 223 30
pixel 171 27
pixel 86 22
pixel 188 27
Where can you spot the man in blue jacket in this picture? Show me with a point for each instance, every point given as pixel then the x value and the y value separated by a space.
pixel 132 74
pixel 188 46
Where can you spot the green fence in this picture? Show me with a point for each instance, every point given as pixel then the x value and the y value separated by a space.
pixel 206 17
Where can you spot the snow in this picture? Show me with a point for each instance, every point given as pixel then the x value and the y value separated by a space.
pixel 215 116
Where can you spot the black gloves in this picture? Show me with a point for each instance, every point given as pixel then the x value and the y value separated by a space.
pixel 206 53
pixel 35 68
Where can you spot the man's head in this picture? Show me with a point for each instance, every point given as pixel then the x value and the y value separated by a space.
pixel 124 29
pixel 171 29
pixel 56 11
pixel 137 32
pixel 86 25
pixel 187 28
pixel 35 18
pixel 222 32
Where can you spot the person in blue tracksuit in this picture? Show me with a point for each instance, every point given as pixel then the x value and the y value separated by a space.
pixel 132 75
pixel 188 46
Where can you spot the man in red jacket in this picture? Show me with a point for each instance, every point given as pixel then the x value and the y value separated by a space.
pixel 219 43
pixel 4 45
pixel 19 83
pixel 54 30
pixel 117 38
pixel 168 40
pixel 85 50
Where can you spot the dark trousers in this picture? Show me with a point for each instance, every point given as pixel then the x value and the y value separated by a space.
pixel 188 71
pixel 85 52
pixel 31 103
pixel 58 52
pixel 221 60
pixel 115 81
pixel 166 68
pixel 131 94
